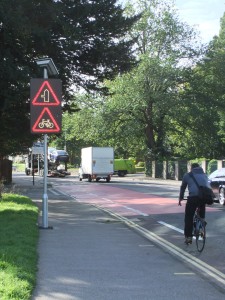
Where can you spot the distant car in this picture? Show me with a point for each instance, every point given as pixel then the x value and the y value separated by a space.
pixel 217 182
pixel 50 150
pixel 58 156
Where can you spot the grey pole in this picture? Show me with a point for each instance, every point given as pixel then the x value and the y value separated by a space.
pixel 49 68
pixel 45 195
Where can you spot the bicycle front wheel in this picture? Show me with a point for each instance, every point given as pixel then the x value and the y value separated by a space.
pixel 200 236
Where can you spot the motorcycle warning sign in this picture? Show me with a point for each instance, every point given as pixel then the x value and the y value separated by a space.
pixel 45 105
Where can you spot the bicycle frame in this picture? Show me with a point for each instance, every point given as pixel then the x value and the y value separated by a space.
pixel 199 231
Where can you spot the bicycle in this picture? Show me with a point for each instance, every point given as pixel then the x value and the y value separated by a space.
pixel 199 230
pixel 45 123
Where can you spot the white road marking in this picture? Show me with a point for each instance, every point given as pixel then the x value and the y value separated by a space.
pixel 129 208
pixel 188 258
pixel 54 192
pixel 151 236
pixel 170 226
pixel 109 200
pixel 136 211
pixel 173 227
pixel 184 273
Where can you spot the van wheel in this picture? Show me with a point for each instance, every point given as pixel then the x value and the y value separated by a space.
pixel 121 173
pixel 222 196
pixel 27 172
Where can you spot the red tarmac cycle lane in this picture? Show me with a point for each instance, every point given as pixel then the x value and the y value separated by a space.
pixel 122 201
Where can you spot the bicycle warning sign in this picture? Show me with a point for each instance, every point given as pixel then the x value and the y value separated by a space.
pixel 46 123
pixel 45 107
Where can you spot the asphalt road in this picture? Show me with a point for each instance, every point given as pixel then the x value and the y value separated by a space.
pixel 159 265
pixel 153 206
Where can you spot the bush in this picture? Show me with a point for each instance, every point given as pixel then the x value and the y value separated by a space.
pixel 212 166
pixel 171 170
pixel 139 169
pixel 140 164
pixel 148 168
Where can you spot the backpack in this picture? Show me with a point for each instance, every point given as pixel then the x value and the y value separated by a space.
pixel 204 193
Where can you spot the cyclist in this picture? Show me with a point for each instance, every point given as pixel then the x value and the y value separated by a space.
pixel 193 200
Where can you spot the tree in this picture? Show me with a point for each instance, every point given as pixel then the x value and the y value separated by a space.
pixel 150 92
pixel 196 127
pixel 203 131
pixel 172 103
pixel 84 39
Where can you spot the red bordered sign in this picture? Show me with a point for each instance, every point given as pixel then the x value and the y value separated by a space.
pixel 45 107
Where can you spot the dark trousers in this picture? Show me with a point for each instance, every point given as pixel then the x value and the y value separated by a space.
pixel 191 205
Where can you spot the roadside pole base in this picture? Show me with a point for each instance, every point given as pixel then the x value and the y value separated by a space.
pixel 42 227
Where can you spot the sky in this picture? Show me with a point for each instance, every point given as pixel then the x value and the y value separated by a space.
pixel 204 14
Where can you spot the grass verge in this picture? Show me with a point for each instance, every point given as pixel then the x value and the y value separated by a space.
pixel 20 167
pixel 18 247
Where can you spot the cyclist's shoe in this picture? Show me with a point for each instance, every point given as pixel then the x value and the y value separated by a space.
pixel 188 240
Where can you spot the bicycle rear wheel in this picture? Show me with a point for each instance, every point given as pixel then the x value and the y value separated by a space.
pixel 200 235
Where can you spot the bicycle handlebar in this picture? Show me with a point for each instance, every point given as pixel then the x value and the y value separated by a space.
pixel 179 202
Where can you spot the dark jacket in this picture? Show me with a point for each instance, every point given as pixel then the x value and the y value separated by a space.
pixel 187 181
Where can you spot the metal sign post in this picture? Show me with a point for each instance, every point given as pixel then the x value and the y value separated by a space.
pixel 43 121
pixel 45 194
pixel 38 149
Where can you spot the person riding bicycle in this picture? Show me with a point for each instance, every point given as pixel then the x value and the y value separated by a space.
pixel 193 201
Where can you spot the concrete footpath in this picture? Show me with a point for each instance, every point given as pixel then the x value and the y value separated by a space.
pixel 90 255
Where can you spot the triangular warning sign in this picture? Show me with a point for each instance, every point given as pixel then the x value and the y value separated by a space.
pixel 46 123
pixel 45 96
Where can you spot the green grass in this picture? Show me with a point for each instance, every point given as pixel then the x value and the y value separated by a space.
pixel 18 247
pixel 20 167
pixel 140 169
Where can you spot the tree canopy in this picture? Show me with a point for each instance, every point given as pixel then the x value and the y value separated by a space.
pixel 165 91
pixel 143 102
pixel 85 39
pixel 171 104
